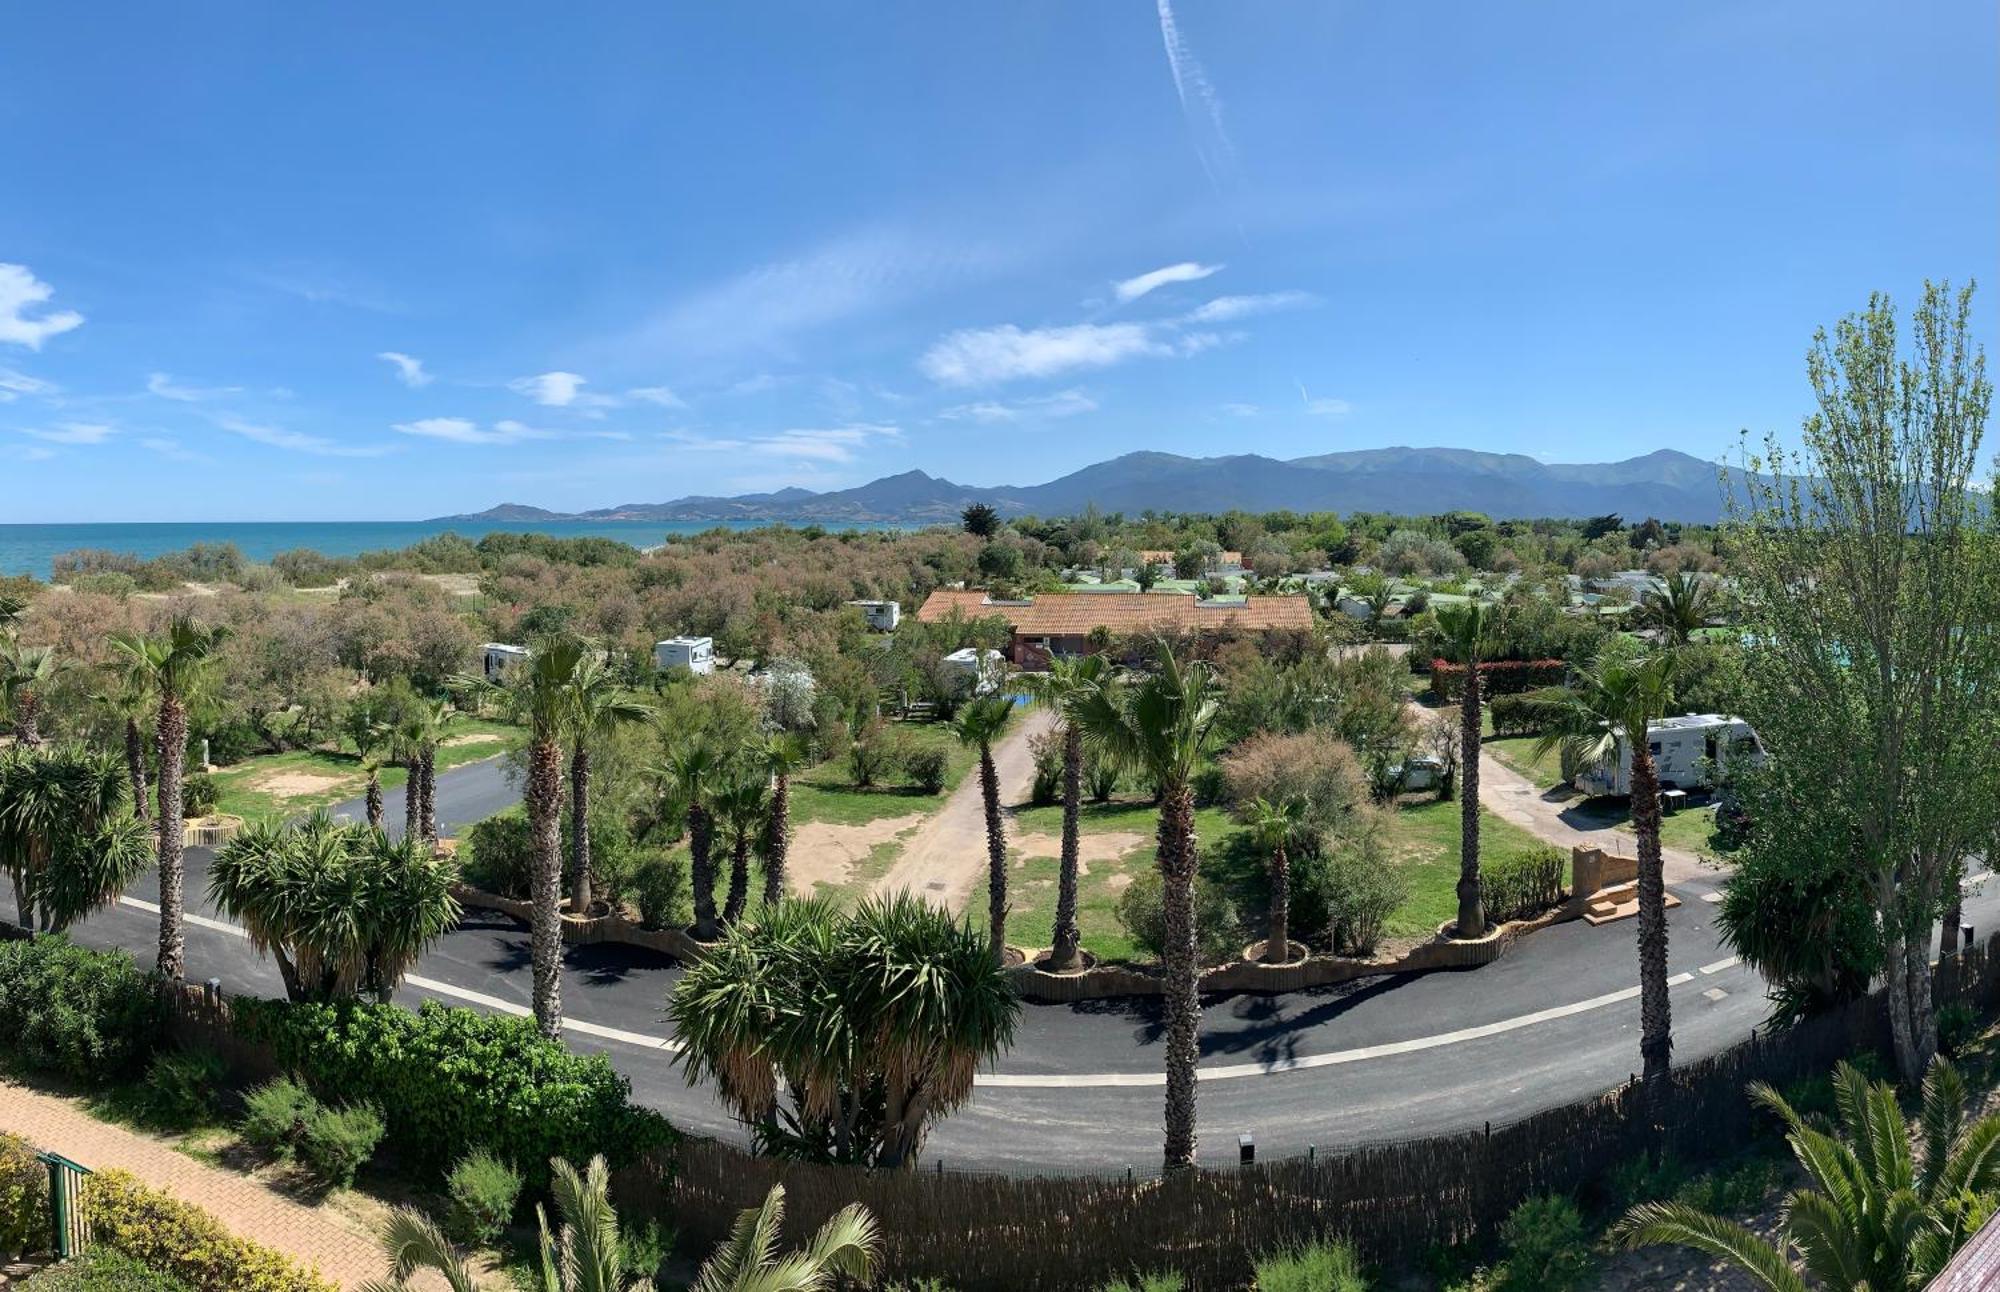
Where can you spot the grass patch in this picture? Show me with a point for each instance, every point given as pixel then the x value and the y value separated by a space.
pixel 827 792
pixel 257 789
pixel 1424 839
pixel 1690 830
pixel 1517 753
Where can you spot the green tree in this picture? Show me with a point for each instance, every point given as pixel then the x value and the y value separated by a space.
pixel 1147 576
pixel 24 671
pixel 172 664
pixel 784 752
pixel 597 704
pixel 844 1249
pixel 419 732
pixel 365 723
pixel 66 840
pixel 1879 1215
pixel 980 520
pixel 1275 826
pixel 1870 566
pixel 1679 605
pixel 978 724
pixel 842 1036
pixel 743 806
pixel 1070 679
pixel 343 911
pixel 1471 633
pixel 130 700
pixel 694 770
pixel 1165 726
pixel 1607 713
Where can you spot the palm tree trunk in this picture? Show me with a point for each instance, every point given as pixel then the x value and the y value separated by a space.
pixel 1278 941
pixel 1066 936
pixel 427 800
pixel 135 766
pixel 739 877
pixel 374 798
pixel 27 721
pixel 996 856
pixel 1183 999
pixel 1656 1036
pixel 1471 916
pixel 579 841
pixel 172 736
pixel 780 841
pixel 701 868
pixel 413 801
pixel 544 806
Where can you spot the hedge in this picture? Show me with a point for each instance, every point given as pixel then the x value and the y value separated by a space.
pixel 1514 715
pixel 450 1080
pixel 1521 887
pixel 89 1015
pixel 24 1198
pixel 181 1240
pixel 1500 677
pixel 102 1269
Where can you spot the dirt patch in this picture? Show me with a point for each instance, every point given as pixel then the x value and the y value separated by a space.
pixel 469 738
pixel 298 785
pixel 1117 883
pixel 1108 846
pixel 826 853
pixel 459 585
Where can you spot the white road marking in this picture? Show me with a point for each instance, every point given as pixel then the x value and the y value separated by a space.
pixel 1720 965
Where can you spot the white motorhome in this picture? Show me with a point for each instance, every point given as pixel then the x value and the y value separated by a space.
pixel 978 671
pixel 496 658
pixel 1679 746
pixel 685 654
pixel 882 616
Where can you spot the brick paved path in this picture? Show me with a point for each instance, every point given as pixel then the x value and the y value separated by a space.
pixel 312 1235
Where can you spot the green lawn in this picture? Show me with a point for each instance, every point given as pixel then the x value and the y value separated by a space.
pixel 1690 830
pixel 1424 838
pixel 827 792
pixel 1518 753
pixel 276 787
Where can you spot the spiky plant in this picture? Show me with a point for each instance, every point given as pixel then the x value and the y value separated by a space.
pixel 978 724
pixel 694 768
pixel 1276 826
pixel 366 725
pixel 844 1248
pixel 24 670
pixel 743 806
pixel 66 839
pixel 1678 605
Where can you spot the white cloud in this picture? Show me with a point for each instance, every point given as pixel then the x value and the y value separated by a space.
pixel 1324 407
pixel 297 441
pixel 21 290
pixel 550 389
pixel 15 384
pixel 1064 403
pixel 983 356
pixel 168 448
pixel 660 395
pixel 166 387
pixel 459 430
pixel 1224 308
pixel 1187 271
pixel 802 444
pixel 1189 75
pixel 409 368
pixel 72 433
pixel 28 452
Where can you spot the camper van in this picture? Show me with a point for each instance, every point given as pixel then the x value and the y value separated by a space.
pixel 496 658
pixel 1679 747
pixel 978 672
pixel 685 654
pixel 882 616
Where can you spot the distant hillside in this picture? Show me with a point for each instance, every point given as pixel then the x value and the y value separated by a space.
pixel 1665 484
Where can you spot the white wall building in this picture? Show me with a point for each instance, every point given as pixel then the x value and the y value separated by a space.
pixel 882 616
pixel 1678 746
pixel 685 654
pixel 496 658
pixel 978 671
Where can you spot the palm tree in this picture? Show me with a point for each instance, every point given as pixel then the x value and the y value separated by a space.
pixel 172 664
pixel 1471 631
pixel 693 765
pixel 844 1249
pixel 367 727
pixel 1275 826
pixel 744 806
pixel 1679 605
pixel 24 670
pixel 978 723
pixel 131 701
pixel 418 736
pixel 1878 1216
pixel 597 704
pixel 1609 708
pixel 784 753
pixel 1070 678
pixel 1165 724
pixel 66 839
pixel 341 909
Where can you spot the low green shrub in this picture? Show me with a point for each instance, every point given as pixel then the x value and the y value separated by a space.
pixel 1357 888
pixel 1047 786
pixel 1740 1189
pixel 182 1240
pixel 1957 1027
pixel 926 768
pixel 662 892
pixel 89 1015
pixel 199 794
pixel 496 854
pixel 1163 1282
pixel 1547 1248
pixel 451 1080
pixel 179 1090
pixel 339 1141
pixel 275 1116
pixel 1142 913
pixel 103 1269
pixel 24 1198
pixel 644 1248
pixel 874 754
pixel 1317 1267
pixel 1522 887
pixel 484 1191
pixel 1514 715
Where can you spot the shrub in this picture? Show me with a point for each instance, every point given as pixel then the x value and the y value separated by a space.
pixel 497 854
pixel 180 1089
pixel 1547 1249
pixel 102 1269
pixel 1349 893
pixel 1514 715
pixel 451 1080
pixel 275 1116
pixel 926 769
pixel 1314 767
pixel 186 1242
pixel 1047 786
pixel 339 1141
pixel 873 755
pixel 24 1198
pixel 199 794
pixel 661 889
pixel 1162 1282
pixel 1142 913
pixel 1521 887
pixel 90 1015
pixel 1317 1267
pixel 483 1192
pixel 1957 1026
pixel 1100 777
pixel 1741 1189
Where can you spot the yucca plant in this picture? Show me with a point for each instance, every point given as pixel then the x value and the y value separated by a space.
pixel 24 670
pixel 1879 1215
pixel 66 839
pixel 749 1261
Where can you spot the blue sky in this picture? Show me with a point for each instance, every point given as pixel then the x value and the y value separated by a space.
pixel 383 261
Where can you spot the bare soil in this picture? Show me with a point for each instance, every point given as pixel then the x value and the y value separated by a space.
pixel 298 785
pixel 827 853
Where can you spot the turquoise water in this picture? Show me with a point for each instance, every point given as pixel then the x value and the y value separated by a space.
pixel 29 549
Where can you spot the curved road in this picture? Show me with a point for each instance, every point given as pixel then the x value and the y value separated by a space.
pixel 1384 1058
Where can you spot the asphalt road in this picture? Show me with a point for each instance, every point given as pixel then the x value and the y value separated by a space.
pixel 1553 1021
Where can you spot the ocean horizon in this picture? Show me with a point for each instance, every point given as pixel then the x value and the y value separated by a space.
pixel 32 549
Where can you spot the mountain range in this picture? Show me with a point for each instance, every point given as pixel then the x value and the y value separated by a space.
pixel 1666 484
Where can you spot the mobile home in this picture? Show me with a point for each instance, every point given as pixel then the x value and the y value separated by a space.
pixel 1679 747
pixel 685 654
pixel 496 658
pixel 977 671
pixel 882 616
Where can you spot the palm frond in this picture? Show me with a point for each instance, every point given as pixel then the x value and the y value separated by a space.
pixel 1680 1225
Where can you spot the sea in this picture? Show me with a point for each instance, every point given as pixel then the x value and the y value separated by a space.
pixel 32 549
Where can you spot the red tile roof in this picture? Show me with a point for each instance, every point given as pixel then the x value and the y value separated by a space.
pixel 1074 614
